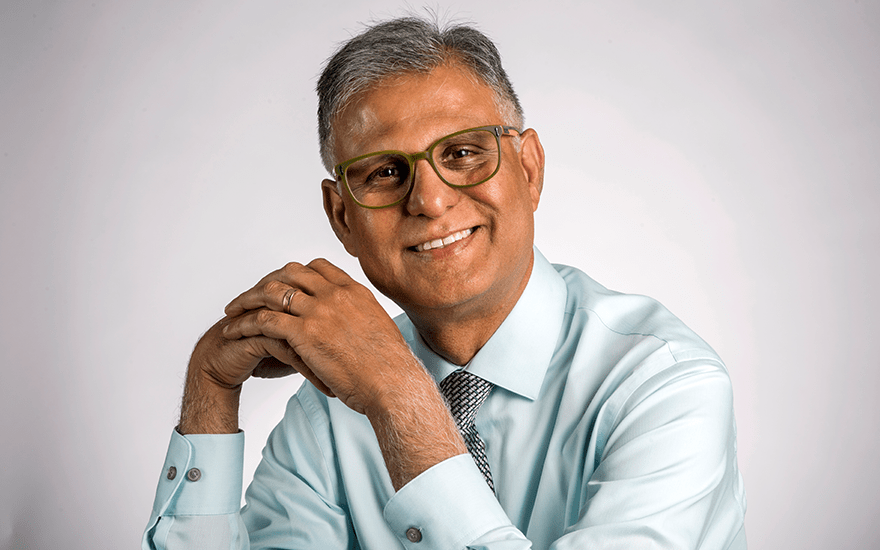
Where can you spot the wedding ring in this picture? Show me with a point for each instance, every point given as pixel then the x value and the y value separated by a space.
pixel 285 303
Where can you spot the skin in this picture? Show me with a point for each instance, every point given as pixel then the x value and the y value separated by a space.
pixel 334 331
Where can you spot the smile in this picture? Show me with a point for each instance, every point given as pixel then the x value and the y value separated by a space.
pixel 445 241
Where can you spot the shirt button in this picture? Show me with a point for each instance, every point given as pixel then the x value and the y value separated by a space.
pixel 172 472
pixel 194 474
pixel 413 534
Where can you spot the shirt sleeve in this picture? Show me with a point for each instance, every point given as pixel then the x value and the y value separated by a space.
pixel 296 500
pixel 665 477
pixel 449 506
pixel 199 494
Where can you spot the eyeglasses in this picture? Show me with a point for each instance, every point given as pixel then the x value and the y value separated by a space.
pixel 462 159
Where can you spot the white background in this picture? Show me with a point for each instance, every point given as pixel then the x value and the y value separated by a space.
pixel 158 158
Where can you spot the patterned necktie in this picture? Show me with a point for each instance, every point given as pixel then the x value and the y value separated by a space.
pixel 465 393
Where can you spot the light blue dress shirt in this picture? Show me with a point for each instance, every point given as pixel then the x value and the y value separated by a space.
pixel 611 426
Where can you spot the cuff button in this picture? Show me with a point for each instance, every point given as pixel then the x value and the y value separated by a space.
pixel 413 534
pixel 172 472
pixel 194 474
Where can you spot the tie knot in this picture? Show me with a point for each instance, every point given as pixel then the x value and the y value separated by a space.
pixel 465 394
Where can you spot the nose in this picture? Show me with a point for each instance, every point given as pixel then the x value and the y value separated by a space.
pixel 429 196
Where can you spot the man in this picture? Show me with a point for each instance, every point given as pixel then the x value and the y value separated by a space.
pixel 576 417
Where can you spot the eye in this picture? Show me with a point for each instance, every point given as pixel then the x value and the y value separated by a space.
pixel 387 172
pixel 466 151
pixel 460 157
pixel 459 151
pixel 383 174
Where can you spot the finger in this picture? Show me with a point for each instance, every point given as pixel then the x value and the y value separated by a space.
pixel 271 289
pixel 280 361
pixel 330 272
pixel 301 276
pixel 269 294
pixel 270 367
pixel 270 329
pixel 284 361
pixel 261 322
pixel 275 295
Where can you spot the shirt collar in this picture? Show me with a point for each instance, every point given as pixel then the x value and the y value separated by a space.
pixel 517 356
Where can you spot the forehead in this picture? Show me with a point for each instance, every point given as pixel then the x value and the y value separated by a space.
pixel 409 112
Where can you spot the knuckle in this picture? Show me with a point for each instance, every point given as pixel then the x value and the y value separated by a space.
pixel 265 317
pixel 292 267
pixel 274 287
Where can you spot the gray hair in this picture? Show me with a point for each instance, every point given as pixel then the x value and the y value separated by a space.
pixel 401 46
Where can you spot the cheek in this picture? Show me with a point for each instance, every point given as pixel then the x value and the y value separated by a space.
pixel 512 204
pixel 358 238
pixel 371 232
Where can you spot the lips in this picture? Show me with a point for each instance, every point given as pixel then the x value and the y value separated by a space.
pixel 445 241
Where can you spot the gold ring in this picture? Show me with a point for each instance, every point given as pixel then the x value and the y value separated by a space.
pixel 285 303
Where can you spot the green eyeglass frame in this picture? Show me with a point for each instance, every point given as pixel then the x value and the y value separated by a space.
pixel 497 130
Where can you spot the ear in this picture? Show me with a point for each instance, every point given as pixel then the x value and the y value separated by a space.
pixel 334 207
pixel 531 154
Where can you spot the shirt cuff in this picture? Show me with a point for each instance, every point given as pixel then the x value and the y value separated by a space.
pixel 447 506
pixel 201 476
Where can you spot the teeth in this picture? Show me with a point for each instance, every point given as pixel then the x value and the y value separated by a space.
pixel 440 243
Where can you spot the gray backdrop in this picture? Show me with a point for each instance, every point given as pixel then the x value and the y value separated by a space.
pixel 158 158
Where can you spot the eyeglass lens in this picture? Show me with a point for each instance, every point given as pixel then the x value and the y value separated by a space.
pixel 460 160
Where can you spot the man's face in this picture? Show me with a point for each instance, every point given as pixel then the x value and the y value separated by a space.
pixel 488 265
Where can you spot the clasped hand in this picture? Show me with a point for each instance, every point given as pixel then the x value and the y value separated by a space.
pixel 316 320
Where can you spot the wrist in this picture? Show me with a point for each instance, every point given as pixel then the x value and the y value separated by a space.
pixel 414 427
pixel 408 382
pixel 208 407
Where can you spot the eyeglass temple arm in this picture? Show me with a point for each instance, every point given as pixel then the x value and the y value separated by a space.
pixel 504 130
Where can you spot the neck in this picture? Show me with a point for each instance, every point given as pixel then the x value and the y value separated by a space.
pixel 457 333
